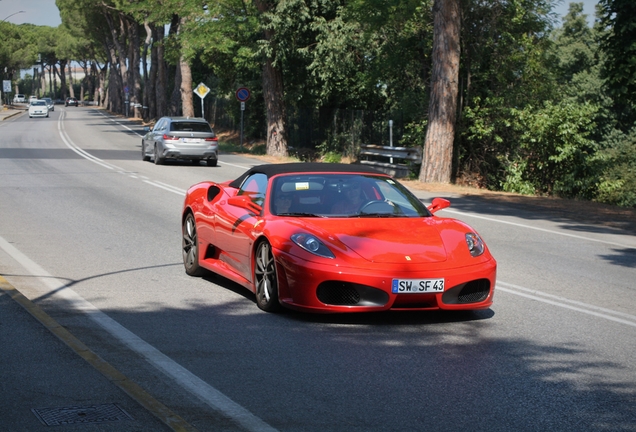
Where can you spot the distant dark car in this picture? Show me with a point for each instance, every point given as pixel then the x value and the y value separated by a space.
pixel 180 138
pixel 70 101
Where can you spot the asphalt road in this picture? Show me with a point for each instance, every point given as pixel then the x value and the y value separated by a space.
pixel 90 237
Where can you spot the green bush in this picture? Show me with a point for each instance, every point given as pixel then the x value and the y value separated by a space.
pixel 617 160
pixel 553 155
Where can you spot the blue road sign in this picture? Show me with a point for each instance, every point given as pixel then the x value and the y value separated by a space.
pixel 243 94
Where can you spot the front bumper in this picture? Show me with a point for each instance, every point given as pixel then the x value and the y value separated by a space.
pixel 308 286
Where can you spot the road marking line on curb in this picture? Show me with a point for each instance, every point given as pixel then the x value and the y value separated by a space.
pixel 132 389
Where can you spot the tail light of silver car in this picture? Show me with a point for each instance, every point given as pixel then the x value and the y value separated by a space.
pixel 170 138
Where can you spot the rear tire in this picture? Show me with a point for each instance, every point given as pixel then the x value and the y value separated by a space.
pixel 212 162
pixel 190 247
pixel 158 159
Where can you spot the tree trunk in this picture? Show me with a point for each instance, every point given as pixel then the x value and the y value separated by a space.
pixel 161 87
pixel 135 75
pixel 62 74
pixel 437 163
pixel 149 83
pixel 187 101
pixel 273 93
pixel 185 77
pixel 43 80
pixel 71 90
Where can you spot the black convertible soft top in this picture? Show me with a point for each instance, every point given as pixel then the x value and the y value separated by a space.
pixel 271 170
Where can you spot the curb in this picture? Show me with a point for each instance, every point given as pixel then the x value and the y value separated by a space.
pixel 163 413
pixel 4 117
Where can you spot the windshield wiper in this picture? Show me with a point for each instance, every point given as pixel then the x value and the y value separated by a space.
pixel 299 214
pixel 377 215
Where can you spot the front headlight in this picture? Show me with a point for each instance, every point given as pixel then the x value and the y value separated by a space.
pixel 475 244
pixel 311 244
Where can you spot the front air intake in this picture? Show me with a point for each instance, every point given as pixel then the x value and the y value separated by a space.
pixel 338 293
pixel 471 292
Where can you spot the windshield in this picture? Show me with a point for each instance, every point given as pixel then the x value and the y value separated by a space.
pixel 38 102
pixel 343 195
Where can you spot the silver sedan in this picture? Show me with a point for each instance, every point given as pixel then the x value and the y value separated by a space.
pixel 180 138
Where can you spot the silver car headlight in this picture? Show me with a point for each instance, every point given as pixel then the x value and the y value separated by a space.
pixel 475 244
pixel 311 244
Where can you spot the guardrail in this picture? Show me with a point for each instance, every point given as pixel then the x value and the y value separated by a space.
pixel 395 161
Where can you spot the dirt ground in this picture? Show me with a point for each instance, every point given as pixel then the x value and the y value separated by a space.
pixel 563 209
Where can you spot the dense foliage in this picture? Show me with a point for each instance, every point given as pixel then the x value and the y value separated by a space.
pixel 544 106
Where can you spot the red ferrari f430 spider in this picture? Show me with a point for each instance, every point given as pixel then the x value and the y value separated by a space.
pixel 334 238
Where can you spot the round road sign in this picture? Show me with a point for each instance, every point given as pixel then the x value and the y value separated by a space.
pixel 243 94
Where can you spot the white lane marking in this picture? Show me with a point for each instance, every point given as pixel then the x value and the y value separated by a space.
pixel 167 187
pixel 539 229
pixel 566 303
pixel 236 166
pixel 181 375
pixel 114 120
pixel 69 143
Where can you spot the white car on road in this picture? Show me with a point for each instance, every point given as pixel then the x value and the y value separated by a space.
pixel 38 108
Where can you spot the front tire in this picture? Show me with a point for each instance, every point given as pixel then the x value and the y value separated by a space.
pixel 265 278
pixel 144 156
pixel 190 247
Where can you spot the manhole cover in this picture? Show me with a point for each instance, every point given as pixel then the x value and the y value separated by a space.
pixel 81 414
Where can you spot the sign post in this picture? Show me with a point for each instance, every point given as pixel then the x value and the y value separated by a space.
pixel 391 136
pixel 242 94
pixel 6 88
pixel 202 91
pixel 127 101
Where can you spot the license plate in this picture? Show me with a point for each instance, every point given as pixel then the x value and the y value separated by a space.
pixel 417 286
pixel 192 140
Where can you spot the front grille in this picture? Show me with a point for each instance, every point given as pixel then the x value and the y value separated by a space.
pixel 339 293
pixel 343 295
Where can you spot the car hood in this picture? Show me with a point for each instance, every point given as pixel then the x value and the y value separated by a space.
pixel 403 240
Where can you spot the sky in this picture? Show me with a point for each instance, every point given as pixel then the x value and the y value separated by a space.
pixel 589 8
pixel 45 12
pixel 38 12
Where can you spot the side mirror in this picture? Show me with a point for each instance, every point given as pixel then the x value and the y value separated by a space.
pixel 245 203
pixel 146 128
pixel 438 204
